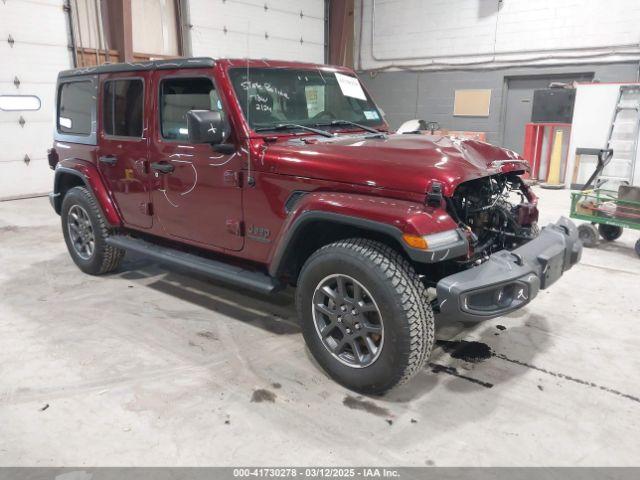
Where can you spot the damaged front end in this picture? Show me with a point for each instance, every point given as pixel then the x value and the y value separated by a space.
pixel 508 280
pixel 509 259
pixel 498 212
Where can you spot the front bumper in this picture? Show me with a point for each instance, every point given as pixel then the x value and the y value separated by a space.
pixel 509 280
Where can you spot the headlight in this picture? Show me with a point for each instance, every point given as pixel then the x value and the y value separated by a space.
pixel 434 241
pixel 438 240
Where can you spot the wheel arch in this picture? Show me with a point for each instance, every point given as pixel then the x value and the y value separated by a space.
pixel 81 173
pixel 314 229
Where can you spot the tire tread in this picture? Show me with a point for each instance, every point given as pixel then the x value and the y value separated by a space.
pixel 410 294
pixel 111 256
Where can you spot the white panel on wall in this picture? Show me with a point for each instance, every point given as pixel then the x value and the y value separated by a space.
pixel 440 34
pixel 592 115
pixel 29 65
pixel 276 29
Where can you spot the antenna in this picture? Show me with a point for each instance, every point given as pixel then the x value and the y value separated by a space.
pixel 250 180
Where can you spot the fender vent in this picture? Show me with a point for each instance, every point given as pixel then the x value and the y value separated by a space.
pixel 292 200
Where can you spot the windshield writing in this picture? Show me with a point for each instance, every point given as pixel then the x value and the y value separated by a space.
pixel 275 96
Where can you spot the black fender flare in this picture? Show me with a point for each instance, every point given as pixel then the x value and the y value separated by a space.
pixel 293 233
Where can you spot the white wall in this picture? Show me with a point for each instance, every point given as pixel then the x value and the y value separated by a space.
pixel 284 30
pixel 592 115
pixel 436 34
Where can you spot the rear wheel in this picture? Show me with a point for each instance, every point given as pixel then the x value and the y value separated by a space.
pixel 365 315
pixel 588 235
pixel 609 232
pixel 85 232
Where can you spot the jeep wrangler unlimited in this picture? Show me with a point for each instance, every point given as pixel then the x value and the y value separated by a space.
pixel 264 174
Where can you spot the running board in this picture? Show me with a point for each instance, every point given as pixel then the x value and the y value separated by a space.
pixel 250 279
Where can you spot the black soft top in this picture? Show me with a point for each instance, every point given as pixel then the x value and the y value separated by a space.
pixel 166 64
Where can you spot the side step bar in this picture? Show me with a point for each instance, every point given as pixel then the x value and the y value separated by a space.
pixel 250 279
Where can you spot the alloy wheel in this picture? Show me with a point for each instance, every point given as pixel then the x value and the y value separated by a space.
pixel 348 320
pixel 81 232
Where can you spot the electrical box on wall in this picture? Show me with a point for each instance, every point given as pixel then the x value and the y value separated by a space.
pixel 553 105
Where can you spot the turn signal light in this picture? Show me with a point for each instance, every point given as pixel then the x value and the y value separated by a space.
pixel 415 241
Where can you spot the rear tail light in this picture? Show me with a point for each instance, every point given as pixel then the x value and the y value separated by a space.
pixel 52 157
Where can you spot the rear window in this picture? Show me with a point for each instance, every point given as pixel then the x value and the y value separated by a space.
pixel 75 105
pixel 122 109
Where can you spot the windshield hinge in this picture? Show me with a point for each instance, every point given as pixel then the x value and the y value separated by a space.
pixel 434 196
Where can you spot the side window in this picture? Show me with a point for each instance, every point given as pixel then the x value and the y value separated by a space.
pixel 75 105
pixel 177 97
pixel 123 102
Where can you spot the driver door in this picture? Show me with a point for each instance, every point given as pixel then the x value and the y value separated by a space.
pixel 195 190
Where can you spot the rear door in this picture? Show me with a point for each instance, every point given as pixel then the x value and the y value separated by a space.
pixel 123 144
pixel 196 190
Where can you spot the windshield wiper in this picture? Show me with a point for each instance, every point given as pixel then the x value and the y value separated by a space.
pixel 291 126
pixel 337 123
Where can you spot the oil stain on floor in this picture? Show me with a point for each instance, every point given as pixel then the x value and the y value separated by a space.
pixel 437 368
pixel 474 352
pixel 365 405
pixel 262 395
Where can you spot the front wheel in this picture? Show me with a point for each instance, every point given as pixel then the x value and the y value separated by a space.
pixel 365 315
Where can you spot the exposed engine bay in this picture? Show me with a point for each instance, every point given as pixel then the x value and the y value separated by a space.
pixel 500 212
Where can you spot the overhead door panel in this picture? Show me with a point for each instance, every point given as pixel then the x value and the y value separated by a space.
pixel 282 29
pixel 33 49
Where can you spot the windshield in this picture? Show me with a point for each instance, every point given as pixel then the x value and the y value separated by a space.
pixel 276 96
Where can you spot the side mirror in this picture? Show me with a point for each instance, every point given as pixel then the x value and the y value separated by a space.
pixel 207 126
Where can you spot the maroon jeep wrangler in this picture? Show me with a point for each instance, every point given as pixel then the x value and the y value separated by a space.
pixel 264 174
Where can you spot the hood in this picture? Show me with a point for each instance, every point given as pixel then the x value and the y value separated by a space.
pixel 398 162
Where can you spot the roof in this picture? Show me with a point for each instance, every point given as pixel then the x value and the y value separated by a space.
pixel 165 64
pixel 194 62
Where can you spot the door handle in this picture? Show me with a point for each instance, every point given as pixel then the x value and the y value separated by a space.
pixel 163 167
pixel 108 159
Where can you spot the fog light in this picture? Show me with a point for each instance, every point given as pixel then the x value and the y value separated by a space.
pixel 504 295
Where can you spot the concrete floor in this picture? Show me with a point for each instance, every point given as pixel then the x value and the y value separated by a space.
pixel 148 367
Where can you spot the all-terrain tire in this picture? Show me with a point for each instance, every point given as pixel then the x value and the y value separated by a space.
pixel 403 305
pixel 104 258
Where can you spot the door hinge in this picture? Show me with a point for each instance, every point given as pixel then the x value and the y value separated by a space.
pixel 234 227
pixel 146 208
pixel 142 166
pixel 232 178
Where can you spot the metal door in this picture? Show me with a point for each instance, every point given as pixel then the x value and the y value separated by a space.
pixel 519 103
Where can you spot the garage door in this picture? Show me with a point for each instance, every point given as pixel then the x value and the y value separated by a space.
pixel 33 48
pixel 277 29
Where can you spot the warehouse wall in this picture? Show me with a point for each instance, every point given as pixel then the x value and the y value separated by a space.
pixel 437 34
pixel 429 95
pixel 276 29
pixel 414 54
